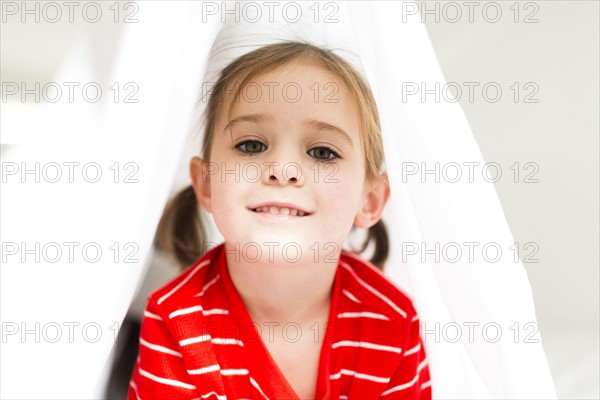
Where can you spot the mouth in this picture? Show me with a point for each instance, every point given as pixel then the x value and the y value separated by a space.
pixel 280 210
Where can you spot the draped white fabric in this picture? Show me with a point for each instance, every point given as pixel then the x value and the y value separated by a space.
pixel 373 37
pixel 445 292
pixel 456 300
pixel 73 310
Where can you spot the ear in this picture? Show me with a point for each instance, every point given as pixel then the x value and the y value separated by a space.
pixel 199 172
pixel 374 199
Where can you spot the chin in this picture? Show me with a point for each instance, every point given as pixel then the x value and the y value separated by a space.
pixel 276 248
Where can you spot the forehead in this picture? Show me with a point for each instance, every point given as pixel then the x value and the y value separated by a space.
pixel 295 90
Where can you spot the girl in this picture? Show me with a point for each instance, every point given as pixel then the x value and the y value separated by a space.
pixel 290 165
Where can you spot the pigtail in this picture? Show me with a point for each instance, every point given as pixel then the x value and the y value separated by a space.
pixel 180 233
pixel 379 236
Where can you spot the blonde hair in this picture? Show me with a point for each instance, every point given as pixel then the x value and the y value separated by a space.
pixel 181 233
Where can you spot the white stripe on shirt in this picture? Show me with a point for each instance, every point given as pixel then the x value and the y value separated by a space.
pixel 204 370
pixel 255 384
pixel 165 381
pixel 413 350
pixel 228 372
pixel 209 284
pixel 184 311
pixel 219 396
pixel 226 341
pixel 152 315
pixel 362 314
pixel 407 384
pixel 193 309
pixel 366 345
pixel 197 339
pixel 159 348
pixel 183 282
pixel 351 296
pixel 135 389
pixel 374 291
pixel 359 376
pixel 215 311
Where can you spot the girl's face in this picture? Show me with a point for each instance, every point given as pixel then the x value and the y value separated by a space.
pixel 293 138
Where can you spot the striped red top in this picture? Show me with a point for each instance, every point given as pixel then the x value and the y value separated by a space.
pixel 197 340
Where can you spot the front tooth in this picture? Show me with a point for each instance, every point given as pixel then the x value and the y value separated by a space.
pixel 273 210
pixel 284 211
pixel 294 212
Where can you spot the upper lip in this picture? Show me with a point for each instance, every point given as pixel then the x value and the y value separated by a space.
pixel 279 205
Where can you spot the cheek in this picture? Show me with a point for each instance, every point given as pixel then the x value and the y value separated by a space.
pixel 342 199
pixel 222 197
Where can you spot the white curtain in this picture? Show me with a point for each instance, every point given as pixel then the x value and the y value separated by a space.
pixel 478 317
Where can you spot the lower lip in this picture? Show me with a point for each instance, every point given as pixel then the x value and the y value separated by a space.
pixel 277 217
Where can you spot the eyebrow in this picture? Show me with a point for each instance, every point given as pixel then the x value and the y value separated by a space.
pixel 324 126
pixel 253 118
pixel 314 124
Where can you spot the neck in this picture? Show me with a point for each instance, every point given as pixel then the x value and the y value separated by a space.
pixel 283 292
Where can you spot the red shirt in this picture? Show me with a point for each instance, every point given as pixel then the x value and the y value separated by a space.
pixel 197 340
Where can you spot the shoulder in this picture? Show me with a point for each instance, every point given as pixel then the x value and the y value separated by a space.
pixel 373 290
pixel 186 288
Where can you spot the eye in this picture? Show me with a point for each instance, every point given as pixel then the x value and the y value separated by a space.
pixel 324 154
pixel 248 147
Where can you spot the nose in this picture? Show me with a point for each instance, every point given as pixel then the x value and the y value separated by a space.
pixel 283 173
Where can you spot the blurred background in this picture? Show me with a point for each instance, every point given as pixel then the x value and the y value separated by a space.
pixel 560 133
pixel 549 48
